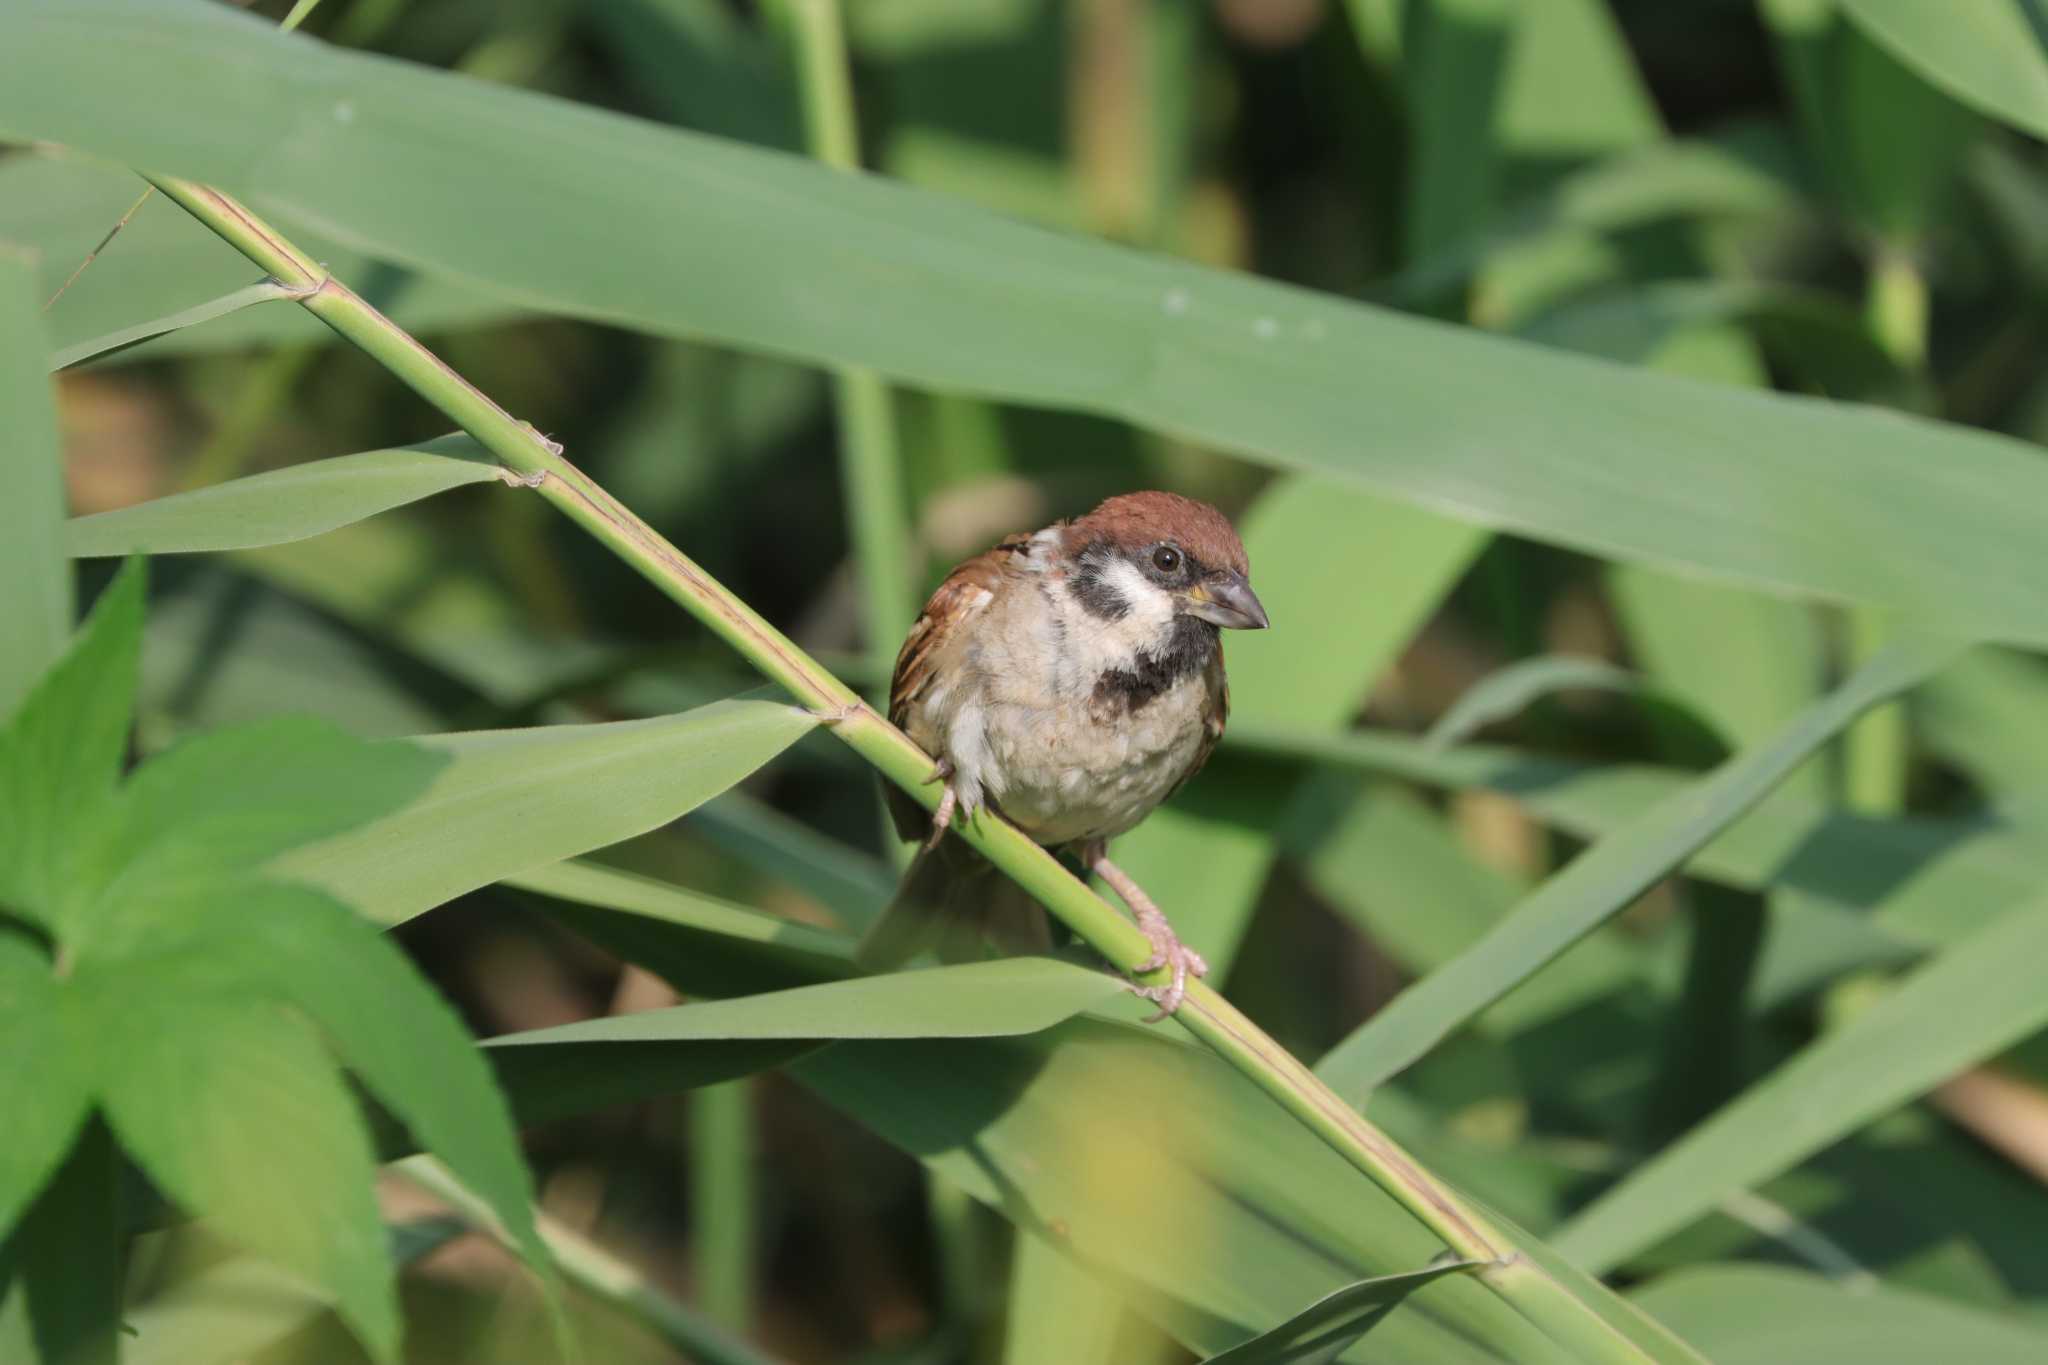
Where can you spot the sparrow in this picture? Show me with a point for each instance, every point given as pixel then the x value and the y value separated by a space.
pixel 1069 680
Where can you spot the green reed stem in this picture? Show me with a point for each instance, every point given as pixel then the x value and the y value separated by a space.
pixel 721 1173
pixel 536 462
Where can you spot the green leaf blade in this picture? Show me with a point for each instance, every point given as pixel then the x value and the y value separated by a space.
pixel 511 801
pixel 1938 523
pixel 1601 882
pixel 236 1111
pixel 282 505
pixel 60 758
pixel 1964 1005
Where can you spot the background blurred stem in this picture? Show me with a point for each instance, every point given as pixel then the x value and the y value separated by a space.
pixel 722 1200
pixel 1875 748
pixel 535 462
pixel 870 458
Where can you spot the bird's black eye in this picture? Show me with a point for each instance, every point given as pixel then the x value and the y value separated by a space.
pixel 1166 559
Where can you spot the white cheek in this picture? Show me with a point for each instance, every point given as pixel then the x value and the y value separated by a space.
pixel 1151 606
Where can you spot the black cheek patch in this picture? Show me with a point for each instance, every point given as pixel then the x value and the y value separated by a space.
pixel 1095 594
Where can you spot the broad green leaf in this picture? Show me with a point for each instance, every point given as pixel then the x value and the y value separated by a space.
pixel 61 756
pixel 35 619
pixel 303 950
pixel 1505 692
pixel 975 1000
pixel 212 807
pixel 1321 1332
pixel 1604 880
pixel 1964 1005
pixel 45 1088
pixel 61 1265
pixel 1769 1315
pixel 1987 53
pixel 1313 544
pixel 235 1111
pixel 701 945
pixel 61 206
pixel 510 801
pixel 591 209
pixel 284 504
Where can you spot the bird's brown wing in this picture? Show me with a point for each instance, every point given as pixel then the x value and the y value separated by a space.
pixel 967 589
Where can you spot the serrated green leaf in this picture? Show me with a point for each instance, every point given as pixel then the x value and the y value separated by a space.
pixel 35 619
pixel 303 950
pixel 61 756
pixel 1964 1005
pixel 1604 880
pixel 45 1088
pixel 235 1110
pixel 283 505
pixel 1746 487
pixel 510 801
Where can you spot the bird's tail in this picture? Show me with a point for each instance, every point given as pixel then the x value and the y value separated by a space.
pixel 952 902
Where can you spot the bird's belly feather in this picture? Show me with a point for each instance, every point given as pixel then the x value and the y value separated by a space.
pixel 1062 769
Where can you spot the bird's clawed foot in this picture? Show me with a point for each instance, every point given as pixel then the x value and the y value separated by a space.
pixel 1167 950
pixel 942 818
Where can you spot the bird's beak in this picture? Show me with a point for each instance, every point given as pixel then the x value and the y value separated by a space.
pixel 1227 601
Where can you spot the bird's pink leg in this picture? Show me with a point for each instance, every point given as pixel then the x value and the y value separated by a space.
pixel 1167 949
pixel 948 803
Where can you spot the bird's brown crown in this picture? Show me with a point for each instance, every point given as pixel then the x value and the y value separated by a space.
pixel 1136 520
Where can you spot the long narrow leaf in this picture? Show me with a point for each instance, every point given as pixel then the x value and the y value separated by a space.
pixel 1322 1331
pixel 605 217
pixel 1965 1005
pixel 284 504
pixel 264 291
pixel 1603 881
pixel 511 801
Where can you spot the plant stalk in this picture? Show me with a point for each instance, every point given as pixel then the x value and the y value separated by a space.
pixel 535 462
